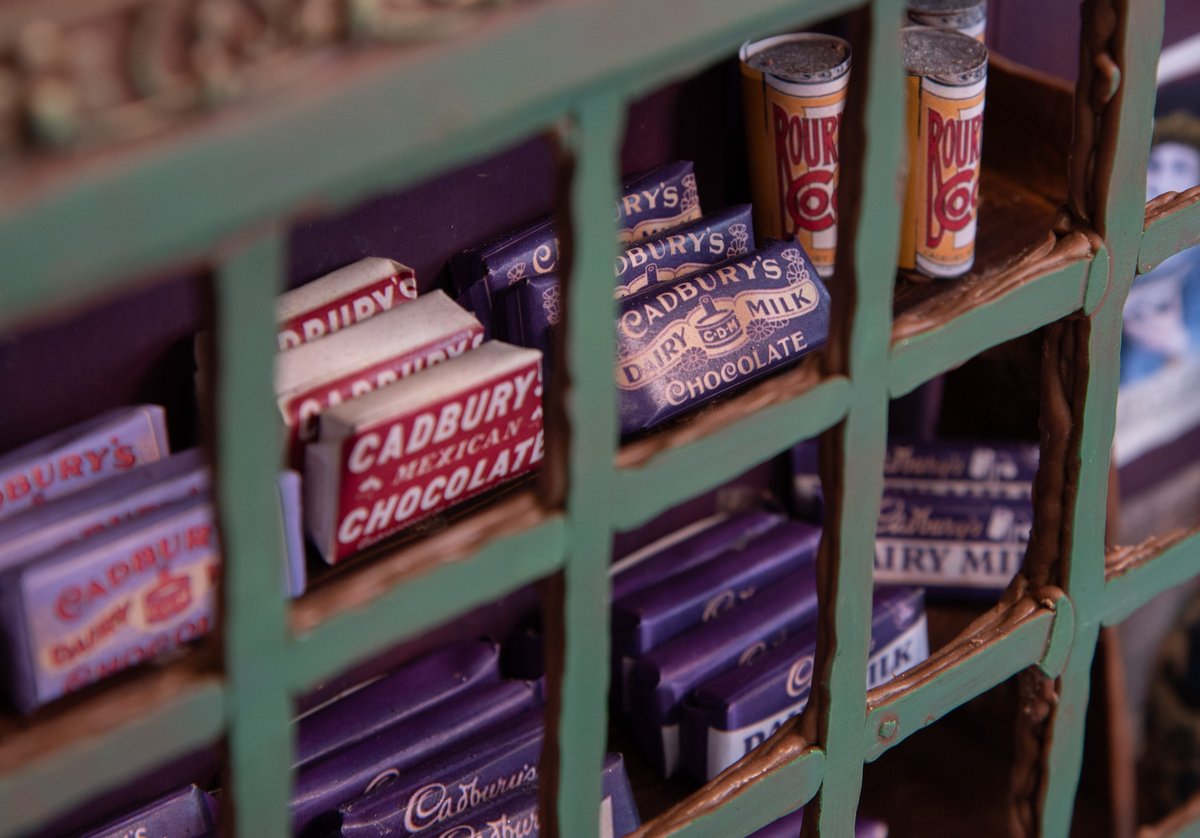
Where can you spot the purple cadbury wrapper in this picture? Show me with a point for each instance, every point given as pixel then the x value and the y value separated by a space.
pixel 789 827
pixel 661 678
pixel 187 813
pixel 686 250
pixel 324 784
pixel 682 343
pixel 411 689
pixel 723 719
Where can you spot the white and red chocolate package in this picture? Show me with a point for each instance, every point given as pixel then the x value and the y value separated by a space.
pixel 341 299
pixel 402 453
pixel 374 354
pixel 63 462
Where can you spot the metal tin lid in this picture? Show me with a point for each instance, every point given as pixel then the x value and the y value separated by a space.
pixel 799 57
pixel 949 56
pixel 950 14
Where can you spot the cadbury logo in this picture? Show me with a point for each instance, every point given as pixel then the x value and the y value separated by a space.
pixel 437 803
pixel 663 196
pixel 799 679
pixel 36 479
pixel 347 311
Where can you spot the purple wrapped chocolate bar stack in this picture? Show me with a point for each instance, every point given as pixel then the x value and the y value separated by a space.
pixel 187 813
pixel 955 517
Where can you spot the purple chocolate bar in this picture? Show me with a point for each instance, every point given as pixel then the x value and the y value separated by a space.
pixel 965 544
pixel 731 714
pixel 516 813
pixel 682 343
pixel 789 827
pixel 662 678
pixel 650 617
pixel 322 785
pixel 101 506
pixel 66 461
pixel 411 689
pixel 187 813
pixel 641 570
pixel 713 239
pixel 651 203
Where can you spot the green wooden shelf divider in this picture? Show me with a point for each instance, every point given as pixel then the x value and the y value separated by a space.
pixel 247 173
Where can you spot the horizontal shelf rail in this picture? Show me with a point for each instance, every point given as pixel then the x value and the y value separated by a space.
pixel 504 547
pixel 1137 574
pixel 1172 225
pixel 105 742
pixel 721 443
pixel 993 649
pixel 989 312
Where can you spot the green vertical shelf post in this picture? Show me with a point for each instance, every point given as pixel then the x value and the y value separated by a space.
pixel 1128 120
pixel 253 629
pixel 863 435
pixel 594 137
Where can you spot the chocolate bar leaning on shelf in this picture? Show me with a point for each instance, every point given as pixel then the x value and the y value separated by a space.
pixel 187 813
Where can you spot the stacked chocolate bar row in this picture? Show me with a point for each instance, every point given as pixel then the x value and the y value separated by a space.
pixel 108 552
pixel 714 639
pixel 443 745
pixel 955 517
pixel 699 311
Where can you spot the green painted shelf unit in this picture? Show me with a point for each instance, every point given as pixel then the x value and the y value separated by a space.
pixel 73 229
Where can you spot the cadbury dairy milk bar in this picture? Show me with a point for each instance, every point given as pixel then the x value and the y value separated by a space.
pixel 532 308
pixel 789 827
pixel 322 785
pixel 398 455
pixel 187 813
pixel 411 689
pixel 650 204
pixel 685 342
pixel 353 362
pixel 649 567
pixel 965 544
pixel 939 467
pixel 341 299
pixel 663 677
pixel 515 815
pixel 737 711
pixel 68 460
pixel 650 617
pixel 453 784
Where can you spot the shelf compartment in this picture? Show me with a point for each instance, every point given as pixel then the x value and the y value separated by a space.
pixel 1184 821
pixel 1135 575
pixel 1172 225
pixel 777 778
pixel 721 441
pixel 502 547
pixel 72 754
pixel 995 647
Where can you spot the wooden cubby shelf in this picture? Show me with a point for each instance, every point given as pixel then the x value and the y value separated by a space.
pixel 1172 224
pixel 1136 574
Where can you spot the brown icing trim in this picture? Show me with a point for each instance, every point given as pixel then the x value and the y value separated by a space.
pixel 385 569
pixel 773 390
pixel 1050 253
pixel 1120 560
pixel 1169 202
pixel 1174 824
pixel 1094 141
pixel 785 746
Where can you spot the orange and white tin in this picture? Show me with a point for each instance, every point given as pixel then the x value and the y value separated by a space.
pixel 794 87
pixel 947 74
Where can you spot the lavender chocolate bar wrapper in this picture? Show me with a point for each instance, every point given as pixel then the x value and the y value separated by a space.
pixel 651 203
pixel 682 343
pixel 516 813
pixel 453 784
pixel 413 688
pixel 531 310
pixel 662 678
pixel 971 546
pixel 789 827
pixel 322 785
pixel 80 614
pixel 731 714
pixel 651 567
pixel 63 462
pixel 187 813
pixel 653 615
pixel 101 506
pixel 680 252
pixel 295 568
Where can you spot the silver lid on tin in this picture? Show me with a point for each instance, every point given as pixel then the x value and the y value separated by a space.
pixel 943 54
pixel 948 14
pixel 802 57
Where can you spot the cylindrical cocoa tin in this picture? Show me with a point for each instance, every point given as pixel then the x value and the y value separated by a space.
pixel 794 87
pixel 967 16
pixel 947 73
